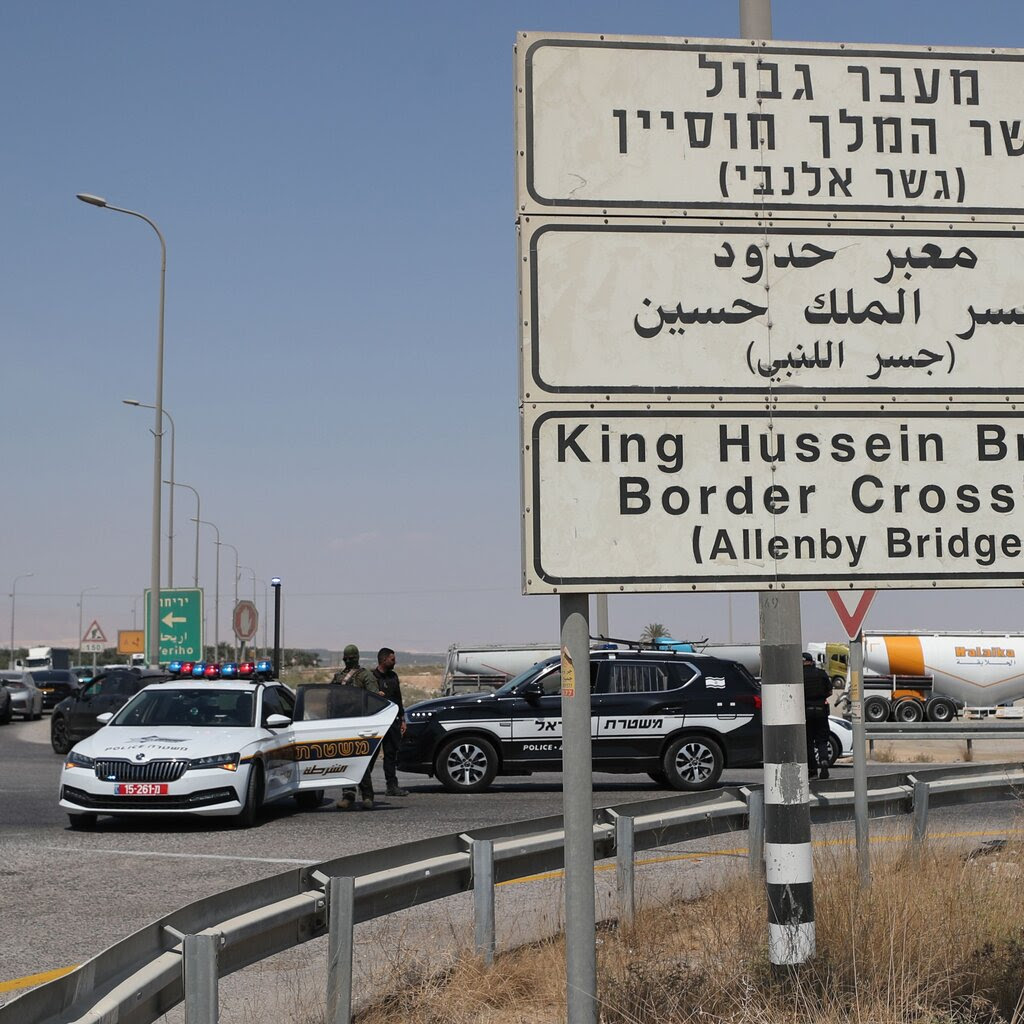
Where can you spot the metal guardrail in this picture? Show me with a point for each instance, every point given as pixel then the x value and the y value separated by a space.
pixel 965 730
pixel 144 975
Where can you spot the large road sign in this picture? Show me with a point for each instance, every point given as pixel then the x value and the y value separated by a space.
pixel 606 124
pixel 245 620
pixel 775 343
pixel 181 623
pixel 627 309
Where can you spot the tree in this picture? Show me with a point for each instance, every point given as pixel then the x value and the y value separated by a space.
pixel 652 631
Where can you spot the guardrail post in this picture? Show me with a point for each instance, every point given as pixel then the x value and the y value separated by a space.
pixel 755 831
pixel 624 870
pixel 199 963
pixel 920 812
pixel 341 908
pixel 483 899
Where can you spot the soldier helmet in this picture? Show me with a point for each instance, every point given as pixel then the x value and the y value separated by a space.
pixel 351 651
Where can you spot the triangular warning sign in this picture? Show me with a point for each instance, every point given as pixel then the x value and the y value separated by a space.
pixel 851 620
pixel 94 635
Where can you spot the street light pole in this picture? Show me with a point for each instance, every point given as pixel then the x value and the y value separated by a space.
pixel 81 595
pixel 153 654
pixel 14 590
pixel 195 577
pixel 216 593
pixel 276 584
pixel 170 506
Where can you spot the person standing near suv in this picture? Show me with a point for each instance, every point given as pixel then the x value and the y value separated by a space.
pixel 354 675
pixel 817 690
pixel 389 686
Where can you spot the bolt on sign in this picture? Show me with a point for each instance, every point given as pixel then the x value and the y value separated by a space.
pixel 770 316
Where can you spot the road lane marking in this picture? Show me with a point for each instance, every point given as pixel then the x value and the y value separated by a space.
pixel 35 979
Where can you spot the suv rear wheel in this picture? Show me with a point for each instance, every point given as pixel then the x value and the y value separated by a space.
pixel 466 765
pixel 693 763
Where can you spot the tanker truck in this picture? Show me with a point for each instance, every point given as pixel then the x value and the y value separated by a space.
pixel 916 676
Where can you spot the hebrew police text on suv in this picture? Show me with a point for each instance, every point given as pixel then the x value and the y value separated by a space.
pixel 680 717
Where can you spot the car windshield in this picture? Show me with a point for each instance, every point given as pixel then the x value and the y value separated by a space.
pixel 203 707
pixel 53 676
pixel 523 677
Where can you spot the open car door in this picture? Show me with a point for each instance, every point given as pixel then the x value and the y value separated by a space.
pixel 335 733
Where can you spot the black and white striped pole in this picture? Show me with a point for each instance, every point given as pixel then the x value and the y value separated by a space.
pixel 789 873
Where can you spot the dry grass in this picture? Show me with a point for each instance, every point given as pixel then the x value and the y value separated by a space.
pixel 936 939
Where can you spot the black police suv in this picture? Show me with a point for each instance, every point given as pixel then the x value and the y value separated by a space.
pixel 678 716
pixel 74 718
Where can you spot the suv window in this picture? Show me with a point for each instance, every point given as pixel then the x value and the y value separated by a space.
pixel 124 683
pixel 621 675
pixel 551 683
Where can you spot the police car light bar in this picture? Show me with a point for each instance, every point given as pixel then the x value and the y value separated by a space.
pixel 262 669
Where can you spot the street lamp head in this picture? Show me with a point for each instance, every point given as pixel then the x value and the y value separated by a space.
pixel 275 581
pixel 131 401
pixel 91 200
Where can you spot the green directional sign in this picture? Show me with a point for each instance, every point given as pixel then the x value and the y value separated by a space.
pixel 181 624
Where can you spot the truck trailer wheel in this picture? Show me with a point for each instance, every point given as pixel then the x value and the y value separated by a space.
pixel 908 710
pixel 876 709
pixel 939 709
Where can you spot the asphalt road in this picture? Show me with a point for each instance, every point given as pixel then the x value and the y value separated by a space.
pixel 66 895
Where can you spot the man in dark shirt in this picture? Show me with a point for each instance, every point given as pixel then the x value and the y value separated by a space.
pixel 390 687
pixel 817 690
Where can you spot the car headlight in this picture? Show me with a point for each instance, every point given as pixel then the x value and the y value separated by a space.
pixel 229 762
pixel 76 760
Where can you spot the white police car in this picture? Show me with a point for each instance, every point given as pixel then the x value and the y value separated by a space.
pixel 213 746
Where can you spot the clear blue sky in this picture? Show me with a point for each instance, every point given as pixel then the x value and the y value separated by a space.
pixel 335 183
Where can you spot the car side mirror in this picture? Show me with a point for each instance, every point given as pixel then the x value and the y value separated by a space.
pixel 104 718
pixel 532 691
pixel 278 721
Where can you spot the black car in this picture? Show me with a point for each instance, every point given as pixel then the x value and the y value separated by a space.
pixel 680 717
pixel 55 684
pixel 74 718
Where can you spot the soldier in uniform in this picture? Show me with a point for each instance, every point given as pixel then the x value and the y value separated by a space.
pixel 353 675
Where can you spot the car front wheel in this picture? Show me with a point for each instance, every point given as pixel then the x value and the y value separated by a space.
pixel 693 763
pixel 466 765
pixel 835 749
pixel 253 797
pixel 59 738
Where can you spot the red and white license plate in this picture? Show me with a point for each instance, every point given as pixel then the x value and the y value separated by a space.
pixel 141 789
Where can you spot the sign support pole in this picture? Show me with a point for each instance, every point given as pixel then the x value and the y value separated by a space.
pixel 577 811
pixel 860 773
pixel 789 868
